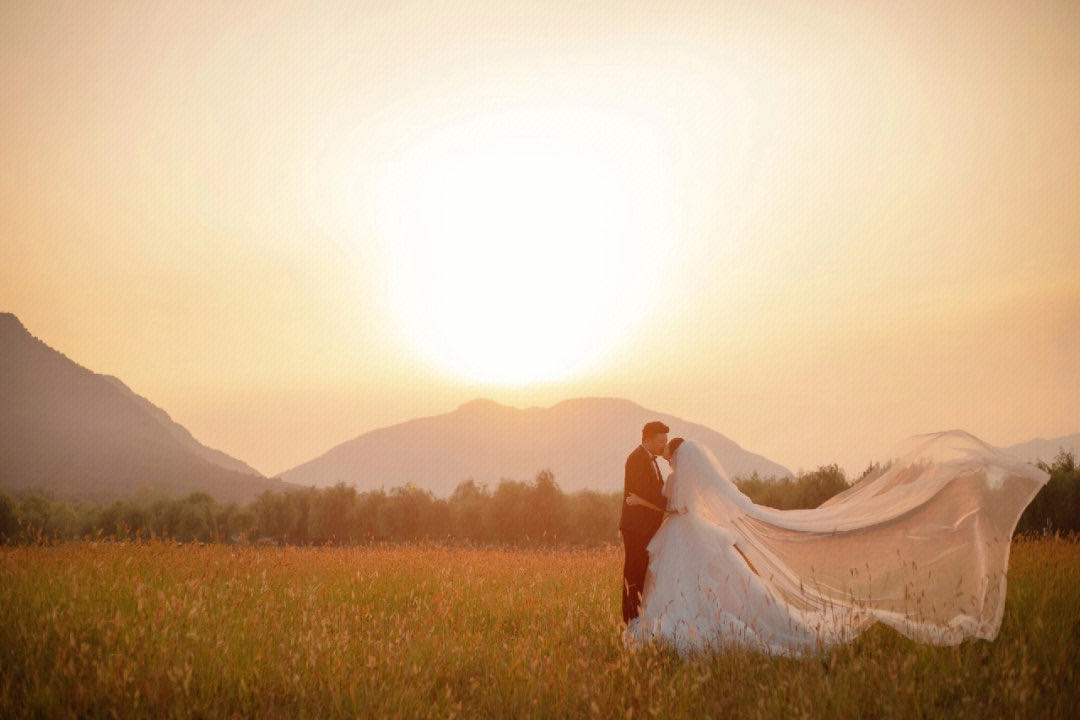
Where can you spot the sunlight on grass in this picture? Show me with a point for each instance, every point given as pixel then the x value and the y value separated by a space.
pixel 160 629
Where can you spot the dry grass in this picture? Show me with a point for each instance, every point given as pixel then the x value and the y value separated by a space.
pixel 160 630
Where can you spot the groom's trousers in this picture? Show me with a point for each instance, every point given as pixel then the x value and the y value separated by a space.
pixel 635 564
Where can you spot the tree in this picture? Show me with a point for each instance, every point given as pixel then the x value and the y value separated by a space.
pixel 1056 507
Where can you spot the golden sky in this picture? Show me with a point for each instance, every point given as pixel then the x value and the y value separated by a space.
pixel 815 227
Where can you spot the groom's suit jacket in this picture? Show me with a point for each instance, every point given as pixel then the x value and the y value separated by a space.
pixel 641 479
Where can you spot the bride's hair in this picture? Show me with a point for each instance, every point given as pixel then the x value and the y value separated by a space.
pixel 673 445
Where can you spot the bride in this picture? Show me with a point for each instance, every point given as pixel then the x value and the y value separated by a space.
pixel 923 547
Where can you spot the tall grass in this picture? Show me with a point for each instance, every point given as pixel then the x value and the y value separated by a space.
pixel 156 629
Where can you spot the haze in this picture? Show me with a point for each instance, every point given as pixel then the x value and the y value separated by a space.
pixel 815 228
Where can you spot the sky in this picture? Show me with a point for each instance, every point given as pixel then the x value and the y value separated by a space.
pixel 817 228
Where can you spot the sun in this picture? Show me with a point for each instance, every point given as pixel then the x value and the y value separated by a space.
pixel 521 255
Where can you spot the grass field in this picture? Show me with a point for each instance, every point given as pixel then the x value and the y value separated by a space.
pixel 161 630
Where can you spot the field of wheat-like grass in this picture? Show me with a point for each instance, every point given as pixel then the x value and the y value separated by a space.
pixel 156 629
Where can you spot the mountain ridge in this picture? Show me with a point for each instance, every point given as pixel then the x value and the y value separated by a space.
pixel 486 441
pixel 582 440
pixel 68 430
pixel 1046 449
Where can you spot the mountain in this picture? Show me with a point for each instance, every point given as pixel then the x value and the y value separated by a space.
pixel 180 433
pixel 584 442
pixel 1046 450
pixel 82 435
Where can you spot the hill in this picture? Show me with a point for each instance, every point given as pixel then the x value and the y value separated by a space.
pixel 81 435
pixel 1046 450
pixel 583 441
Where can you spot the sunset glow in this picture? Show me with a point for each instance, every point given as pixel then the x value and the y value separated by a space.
pixel 812 227
pixel 517 255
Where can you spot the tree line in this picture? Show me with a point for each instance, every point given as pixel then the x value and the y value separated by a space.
pixel 513 513
pixel 1056 507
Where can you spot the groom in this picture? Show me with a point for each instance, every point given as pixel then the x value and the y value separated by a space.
pixel 639 522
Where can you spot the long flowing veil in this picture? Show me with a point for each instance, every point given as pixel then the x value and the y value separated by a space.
pixel 923 546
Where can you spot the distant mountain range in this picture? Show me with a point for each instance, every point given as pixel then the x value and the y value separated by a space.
pixel 85 435
pixel 584 442
pixel 1046 450
pixel 82 435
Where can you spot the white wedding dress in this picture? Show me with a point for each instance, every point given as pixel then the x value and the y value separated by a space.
pixel 923 547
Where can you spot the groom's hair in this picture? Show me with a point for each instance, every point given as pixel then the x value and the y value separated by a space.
pixel 652 428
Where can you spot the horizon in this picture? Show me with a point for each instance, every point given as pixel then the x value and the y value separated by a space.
pixel 816 231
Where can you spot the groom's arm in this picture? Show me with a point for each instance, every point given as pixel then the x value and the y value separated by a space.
pixel 657 496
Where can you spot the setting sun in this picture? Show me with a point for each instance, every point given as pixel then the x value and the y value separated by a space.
pixel 523 255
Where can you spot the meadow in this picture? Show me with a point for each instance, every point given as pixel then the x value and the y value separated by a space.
pixel 154 628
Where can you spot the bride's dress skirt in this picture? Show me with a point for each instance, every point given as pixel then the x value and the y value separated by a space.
pixel 923 547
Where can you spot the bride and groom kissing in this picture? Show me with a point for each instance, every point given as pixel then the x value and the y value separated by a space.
pixel 705 567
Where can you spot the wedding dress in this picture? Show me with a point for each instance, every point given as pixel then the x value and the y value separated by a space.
pixel 922 547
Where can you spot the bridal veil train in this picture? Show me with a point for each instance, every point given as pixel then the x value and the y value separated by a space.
pixel 923 547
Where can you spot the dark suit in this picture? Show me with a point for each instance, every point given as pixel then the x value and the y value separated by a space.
pixel 638 524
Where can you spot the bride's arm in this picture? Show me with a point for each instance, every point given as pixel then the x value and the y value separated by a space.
pixel 634 499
